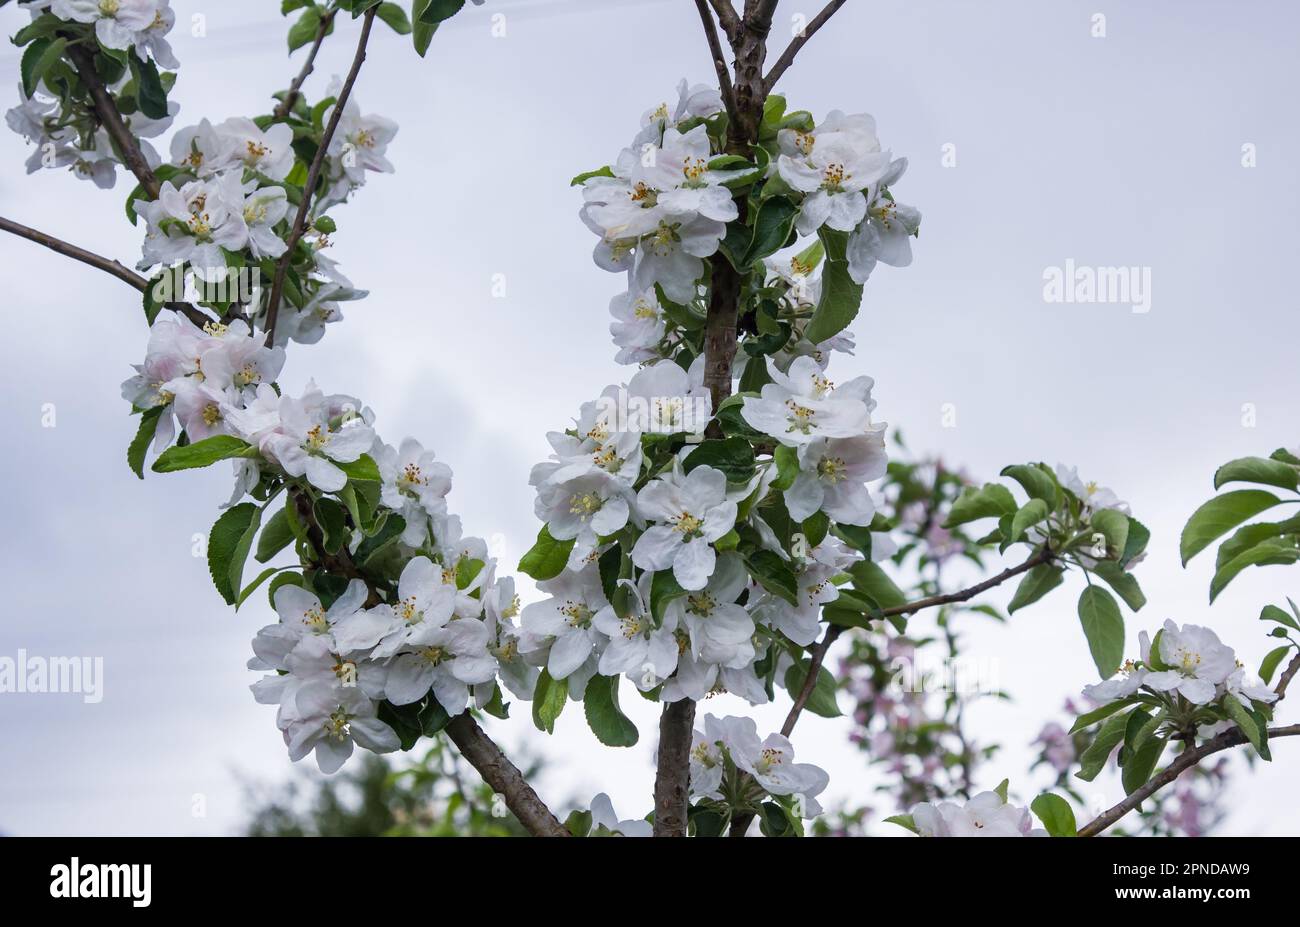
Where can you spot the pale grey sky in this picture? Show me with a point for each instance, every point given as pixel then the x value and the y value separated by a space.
pixel 1123 150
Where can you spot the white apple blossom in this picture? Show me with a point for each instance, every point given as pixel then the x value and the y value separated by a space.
pixel 118 23
pixel 645 652
pixel 720 630
pixel 414 485
pixel 638 327
pixel 306 442
pixel 886 233
pixel 269 152
pixel 802 405
pixel 832 478
pixel 1198 663
pixel 563 623
pixel 690 512
pixel 603 816
pixel 447 659
pixel 771 762
pixel 195 223
pixel 832 165
pixel 330 721
pixel 985 815
pixel 1246 692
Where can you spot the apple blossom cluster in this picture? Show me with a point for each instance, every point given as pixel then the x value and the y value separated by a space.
pixel 661 563
pixel 728 747
pixel 669 202
pixel 1188 666
pixel 68 136
pixel 446 624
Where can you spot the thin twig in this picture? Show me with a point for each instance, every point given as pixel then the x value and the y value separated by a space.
pixel 285 106
pixel 833 631
pixel 125 274
pixel 503 777
pixel 1043 556
pixel 108 265
pixel 313 175
pixel 809 30
pixel 111 119
pixel 719 59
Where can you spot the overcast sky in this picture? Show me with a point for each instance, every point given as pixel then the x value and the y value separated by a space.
pixel 1117 151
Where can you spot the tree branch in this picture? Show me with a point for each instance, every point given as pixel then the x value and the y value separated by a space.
pixel 1184 761
pixel 121 272
pixel 833 631
pixel 1189 758
pixel 125 274
pixel 719 59
pixel 111 119
pixel 503 777
pixel 1043 556
pixel 787 57
pixel 313 176
pixel 291 96
pixel 728 17
pixel 672 768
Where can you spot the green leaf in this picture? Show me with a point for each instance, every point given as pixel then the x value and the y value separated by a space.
pixel 1144 749
pixel 604 717
pixel 1268 666
pixel 1248 536
pixel 1002 788
pixel 773 574
pixel 1242 718
pixel 770 232
pixel 548 701
pixel 903 820
pixel 1219 516
pixel 151 94
pixel 1125 584
pixel 39 58
pixel 1056 814
pixel 872 581
pixel 1113 526
pixel 1269 553
pixel 200 454
pixel 1257 470
pixel 993 500
pixel 436 11
pixel 1037 482
pixel 1039 581
pixel 787 467
pixel 582 178
pixel 838 304
pixel 734 457
pixel 1273 613
pixel 1138 536
pixel 664 588
pixel 1028 515
pixel 1103 625
pixel 303 31
pixel 224 543
pixel 547 558
pixel 1089 718
pixel 822 700
pixel 252 587
pixel 139 445
pixel 1108 737
pixel 363 468
pixel 395 16
pixel 276 536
